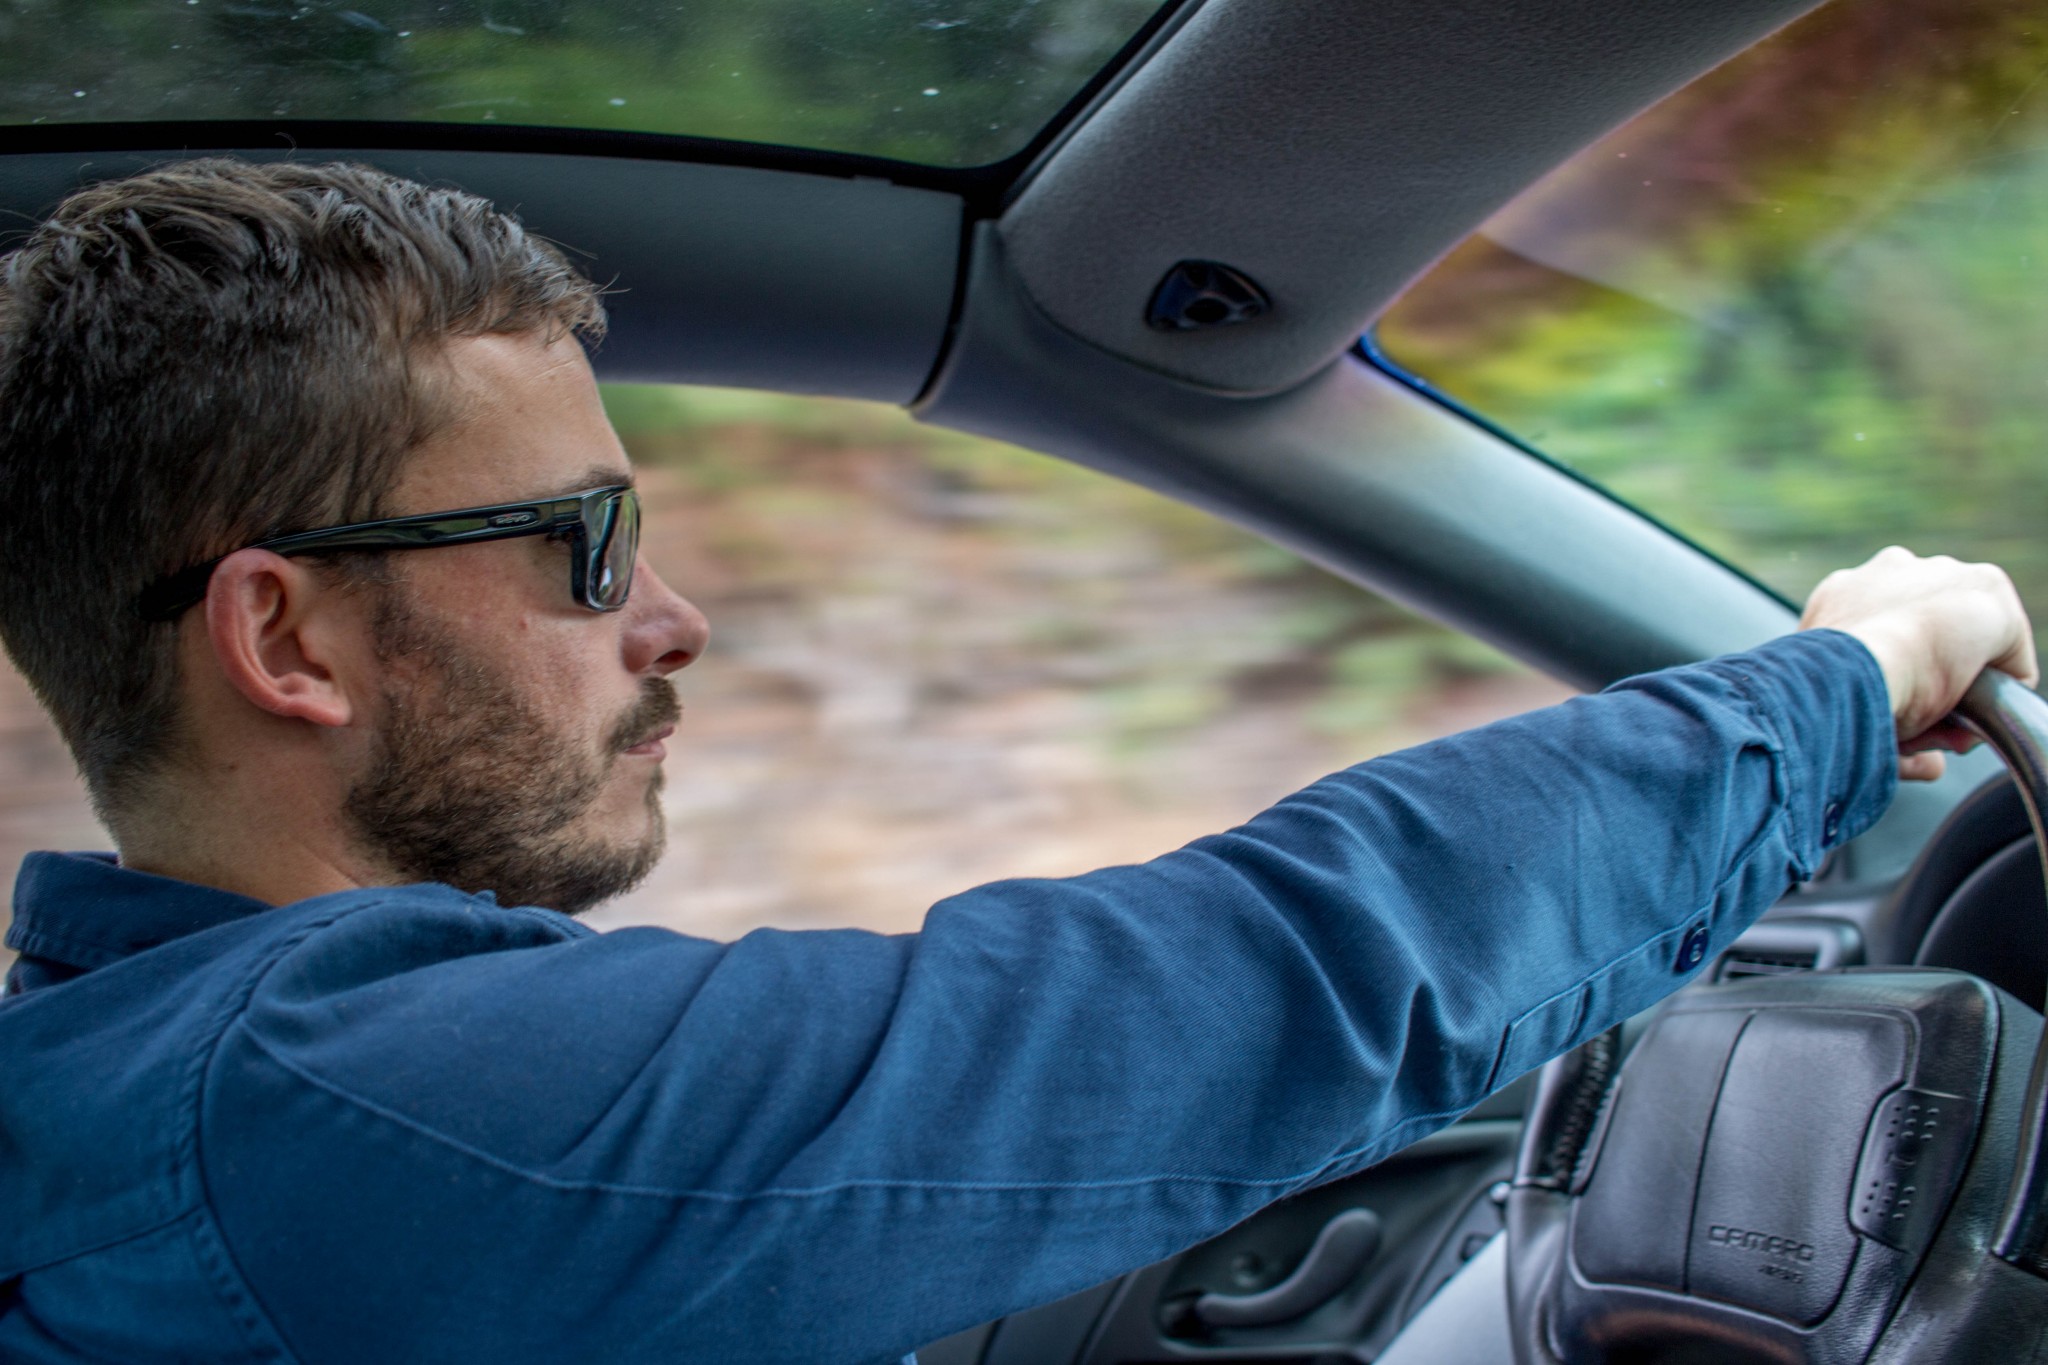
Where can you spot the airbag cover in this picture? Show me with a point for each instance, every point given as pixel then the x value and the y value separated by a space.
pixel 1771 1230
pixel 1774 1164
pixel 1637 1211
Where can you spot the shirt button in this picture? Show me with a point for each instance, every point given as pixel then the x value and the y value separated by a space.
pixel 1692 951
pixel 1831 823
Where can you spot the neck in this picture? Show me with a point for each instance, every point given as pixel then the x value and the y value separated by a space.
pixel 276 883
pixel 274 851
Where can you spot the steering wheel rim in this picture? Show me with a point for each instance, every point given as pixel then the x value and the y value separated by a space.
pixel 1977 1285
pixel 2014 720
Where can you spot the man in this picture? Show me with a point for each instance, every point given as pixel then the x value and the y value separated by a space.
pixel 287 1081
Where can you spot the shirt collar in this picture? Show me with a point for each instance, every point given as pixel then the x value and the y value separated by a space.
pixel 85 910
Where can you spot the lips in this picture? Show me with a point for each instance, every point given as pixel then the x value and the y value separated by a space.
pixel 651 721
pixel 653 741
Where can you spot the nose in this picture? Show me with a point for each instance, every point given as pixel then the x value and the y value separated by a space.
pixel 665 630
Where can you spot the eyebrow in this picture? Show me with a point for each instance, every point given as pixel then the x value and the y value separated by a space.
pixel 597 476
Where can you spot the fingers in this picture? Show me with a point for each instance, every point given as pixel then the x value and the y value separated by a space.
pixel 2010 633
pixel 2019 658
pixel 1933 625
pixel 1943 735
pixel 1922 767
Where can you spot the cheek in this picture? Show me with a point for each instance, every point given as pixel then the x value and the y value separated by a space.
pixel 572 674
pixel 511 582
pixel 564 662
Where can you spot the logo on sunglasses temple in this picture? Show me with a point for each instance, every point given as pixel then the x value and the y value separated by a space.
pixel 514 518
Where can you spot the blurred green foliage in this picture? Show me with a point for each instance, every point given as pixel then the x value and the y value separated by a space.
pixel 1800 310
pixel 943 82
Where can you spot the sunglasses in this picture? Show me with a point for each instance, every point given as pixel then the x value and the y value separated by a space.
pixel 602 527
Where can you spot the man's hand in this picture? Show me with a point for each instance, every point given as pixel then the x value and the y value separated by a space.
pixel 1934 625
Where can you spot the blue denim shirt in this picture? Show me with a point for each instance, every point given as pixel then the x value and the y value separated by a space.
pixel 408 1124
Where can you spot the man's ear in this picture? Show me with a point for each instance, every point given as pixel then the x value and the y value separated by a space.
pixel 279 637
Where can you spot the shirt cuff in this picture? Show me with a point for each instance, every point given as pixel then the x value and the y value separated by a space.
pixel 1824 698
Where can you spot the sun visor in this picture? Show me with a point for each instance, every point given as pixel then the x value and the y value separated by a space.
pixel 715 274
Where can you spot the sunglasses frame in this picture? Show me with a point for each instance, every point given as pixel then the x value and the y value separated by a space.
pixel 592 519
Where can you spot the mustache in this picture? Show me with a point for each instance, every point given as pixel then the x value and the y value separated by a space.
pixel 657 710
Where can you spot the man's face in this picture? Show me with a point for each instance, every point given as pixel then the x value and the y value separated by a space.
pixel 515 743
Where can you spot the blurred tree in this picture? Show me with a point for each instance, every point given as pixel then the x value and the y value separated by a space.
pixel 1794 310
pixel 947 82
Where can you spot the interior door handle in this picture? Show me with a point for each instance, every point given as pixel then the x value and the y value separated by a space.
pixel 1339 1252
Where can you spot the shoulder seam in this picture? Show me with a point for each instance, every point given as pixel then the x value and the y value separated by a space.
pixel 226 1278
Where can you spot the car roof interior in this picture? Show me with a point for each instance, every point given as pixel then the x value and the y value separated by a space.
pixel 1329 153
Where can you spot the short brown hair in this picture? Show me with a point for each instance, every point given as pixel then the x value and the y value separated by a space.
pixel 207 355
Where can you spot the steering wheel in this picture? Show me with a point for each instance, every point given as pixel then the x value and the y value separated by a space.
pixel 1841 1168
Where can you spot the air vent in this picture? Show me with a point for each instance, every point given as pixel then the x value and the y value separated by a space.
pixel 1778 947
pixel 1735 965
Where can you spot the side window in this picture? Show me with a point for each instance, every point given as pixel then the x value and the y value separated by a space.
pixel 1793 309
pixel 936 661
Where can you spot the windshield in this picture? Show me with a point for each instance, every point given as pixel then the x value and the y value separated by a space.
pixel 957 83
pixel 1798 310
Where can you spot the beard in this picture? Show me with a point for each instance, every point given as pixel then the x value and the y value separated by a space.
pixel 469 784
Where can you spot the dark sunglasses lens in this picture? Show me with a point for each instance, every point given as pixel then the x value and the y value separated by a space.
pixel 611 576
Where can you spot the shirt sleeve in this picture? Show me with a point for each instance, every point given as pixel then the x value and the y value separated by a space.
pixel 835 1145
